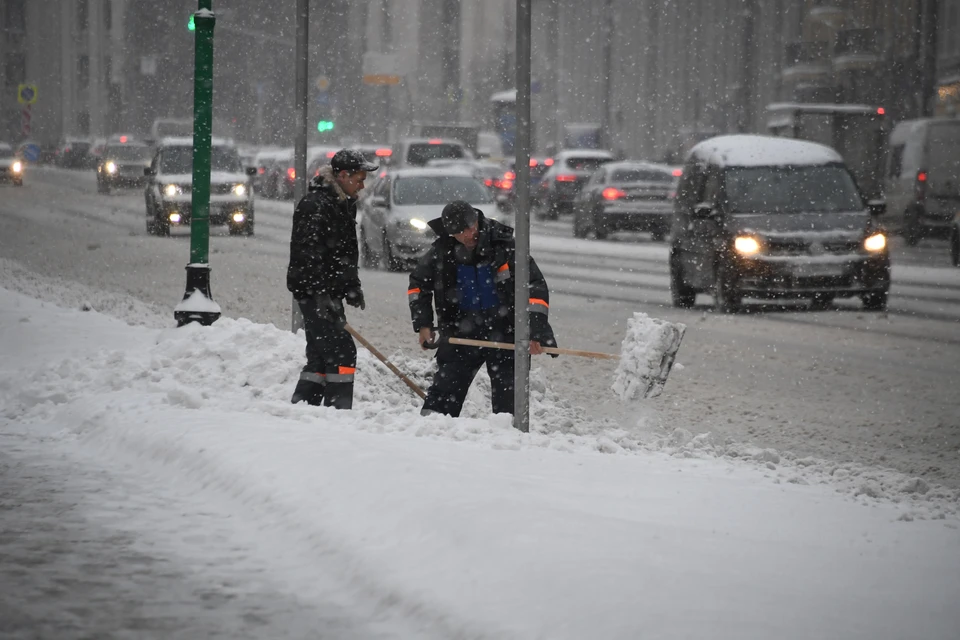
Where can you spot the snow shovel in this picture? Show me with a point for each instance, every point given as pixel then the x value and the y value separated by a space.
pixel 410 383
pixel 645 360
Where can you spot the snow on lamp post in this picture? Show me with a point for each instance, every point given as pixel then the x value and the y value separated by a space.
pixel 197 304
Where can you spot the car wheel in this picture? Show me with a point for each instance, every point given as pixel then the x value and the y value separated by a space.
pixel 912 231
pixel 600 229
pixel 821 301
pixel 682 296
pixel 18 183
pixel 726 298
pixel 875 301
pixel 102 187
pixel 955 248
pixel 579 229
pixel 393 263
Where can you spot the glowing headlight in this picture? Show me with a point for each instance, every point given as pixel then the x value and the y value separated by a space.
pixel 746 245
pixel 111 167
pixel 17 167
pixel 418 224
pixel 876 242
pixel 172 190
pixel 239 217
pixel 240 189
pixel 174 217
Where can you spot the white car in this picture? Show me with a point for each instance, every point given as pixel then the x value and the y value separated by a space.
pixel 394 218
pixel 168 192
pixel 11 167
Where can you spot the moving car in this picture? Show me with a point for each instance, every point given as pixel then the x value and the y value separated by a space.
pixel 562 182
pixel 122 165
pixel 766 217
pixel 74 153
pixel 922 185
pixel 11 167
pixel 394 216
pixel 635 196
pixel 168 191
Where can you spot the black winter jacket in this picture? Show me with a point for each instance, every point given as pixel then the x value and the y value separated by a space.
pixel 323 243
pixel 434 282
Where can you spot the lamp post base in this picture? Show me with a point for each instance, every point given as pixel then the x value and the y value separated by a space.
pixel 197 304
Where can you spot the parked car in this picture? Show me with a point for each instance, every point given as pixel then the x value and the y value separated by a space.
pixel 268 163
pixel 766 217
pixel 168 190
pixel 539 165
pixel 122 165
pixel 416 152
pixel 11 167
pixel 635 196
pixel 394 216
pixel 562 182
pixel 922 186
pixel 74 153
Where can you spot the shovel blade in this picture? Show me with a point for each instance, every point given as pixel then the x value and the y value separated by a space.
pixel 647 355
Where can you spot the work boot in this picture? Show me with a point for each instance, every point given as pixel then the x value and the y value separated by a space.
pixel 339 395
pixel 309 392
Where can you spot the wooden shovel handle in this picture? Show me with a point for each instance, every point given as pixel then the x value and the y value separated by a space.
pixel 509 345
pixel 410 383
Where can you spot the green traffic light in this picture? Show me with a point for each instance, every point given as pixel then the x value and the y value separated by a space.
pixel 191 26
pixel 324 125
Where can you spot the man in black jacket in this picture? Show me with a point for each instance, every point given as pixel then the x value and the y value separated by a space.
pixel 468 276
pixel 323 273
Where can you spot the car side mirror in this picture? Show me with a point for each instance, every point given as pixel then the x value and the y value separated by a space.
pixel 379 201
pixel 251 171
pixel 147 171
pixel 704 210
pixel 877 207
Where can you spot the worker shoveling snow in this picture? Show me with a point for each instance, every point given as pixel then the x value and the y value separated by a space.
pixel 646 356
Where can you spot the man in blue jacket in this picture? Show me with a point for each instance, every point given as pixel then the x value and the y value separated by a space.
pixel 468 275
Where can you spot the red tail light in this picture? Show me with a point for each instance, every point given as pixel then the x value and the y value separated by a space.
pixel 261 170
pixel 384 153
pixel 677 173
pixel 612 193
pixel 330 154
pixel 488 182
pixel 291 173
pixel 548 162
pixel 565 178
pixel 506 185
pixel 533 162
pixel 434 141
pixel 123 139
pixel 509 175
pixel 881 111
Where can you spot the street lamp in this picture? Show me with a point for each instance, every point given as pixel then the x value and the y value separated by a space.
pixel 197 304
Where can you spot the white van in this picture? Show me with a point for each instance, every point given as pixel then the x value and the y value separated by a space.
pixel 922 183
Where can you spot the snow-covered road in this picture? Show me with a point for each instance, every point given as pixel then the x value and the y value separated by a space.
pixel 841 385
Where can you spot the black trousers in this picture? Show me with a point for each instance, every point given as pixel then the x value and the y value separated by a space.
pixel 458 366
pixel 331 356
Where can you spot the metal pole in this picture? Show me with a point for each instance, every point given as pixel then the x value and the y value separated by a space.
pixel 521 397
pixel 300 144
pixel 197 304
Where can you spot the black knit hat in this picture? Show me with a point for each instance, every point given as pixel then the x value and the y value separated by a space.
pixel 351 160
pixel 458 215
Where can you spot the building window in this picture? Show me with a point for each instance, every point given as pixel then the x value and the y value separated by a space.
pixel 15 16
pixel 83 71
pixel 83 15
pixel 15 69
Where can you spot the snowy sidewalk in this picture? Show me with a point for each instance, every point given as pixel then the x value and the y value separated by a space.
pixel 463 528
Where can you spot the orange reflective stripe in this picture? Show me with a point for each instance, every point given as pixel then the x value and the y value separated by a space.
pixel 346 370
pixel 539 301
pixel 409 291
pixel 504 267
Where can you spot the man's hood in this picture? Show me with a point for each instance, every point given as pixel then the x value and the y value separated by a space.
pixel 326 180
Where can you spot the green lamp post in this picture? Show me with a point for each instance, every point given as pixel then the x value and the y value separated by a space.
pixel 197 304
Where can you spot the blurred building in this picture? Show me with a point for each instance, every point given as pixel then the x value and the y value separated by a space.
pixel 948 58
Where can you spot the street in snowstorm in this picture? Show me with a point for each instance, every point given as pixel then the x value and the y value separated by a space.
pixel 772 186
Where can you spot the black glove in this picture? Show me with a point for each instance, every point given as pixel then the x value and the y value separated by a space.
pixel 355 299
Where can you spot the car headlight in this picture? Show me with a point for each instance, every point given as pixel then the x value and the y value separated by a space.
pixel 746 245
pixel 172 190
pixel 418 224
pixel 111 167
pixel 876 242
pixel 17 167
pixel 240 189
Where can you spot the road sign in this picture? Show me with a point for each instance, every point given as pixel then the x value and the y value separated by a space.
pixel 30 152
pixel 27 93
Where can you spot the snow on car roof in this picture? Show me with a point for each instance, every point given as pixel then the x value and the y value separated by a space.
pixel 184 141
pixel 430 171
pixel 584 153
pixel 762 151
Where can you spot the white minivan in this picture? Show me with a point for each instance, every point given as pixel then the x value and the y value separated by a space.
pixel 922 183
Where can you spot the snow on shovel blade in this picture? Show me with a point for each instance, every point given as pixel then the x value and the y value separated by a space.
pixel 646 356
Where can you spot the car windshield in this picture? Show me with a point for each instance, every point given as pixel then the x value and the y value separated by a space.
pixel 641 175
pixel 129 152
pixel 420 154
pixel 439 190
pixel 792 189
pixel 180 159
pixel 586 164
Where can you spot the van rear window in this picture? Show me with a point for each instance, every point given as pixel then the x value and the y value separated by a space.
pixel 420 154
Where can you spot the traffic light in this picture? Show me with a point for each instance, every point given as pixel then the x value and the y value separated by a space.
pixel 191 25
pixel 325 125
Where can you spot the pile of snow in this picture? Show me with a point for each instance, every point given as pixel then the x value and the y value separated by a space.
pixel 646 356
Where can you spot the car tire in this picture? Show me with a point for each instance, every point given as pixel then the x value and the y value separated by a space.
pixel 600 229
pixel 393 263
pixel 912 231
pixel 955 248
pixel 821 301
pixel 875 301
pixel 579 229
pixel 682 295
pixel 18 183
pixel 102 187
pixel 726 298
